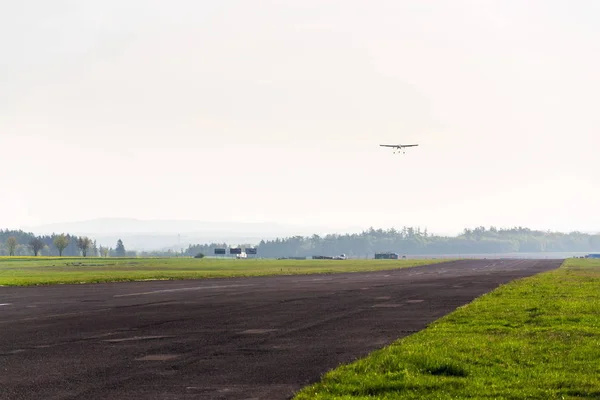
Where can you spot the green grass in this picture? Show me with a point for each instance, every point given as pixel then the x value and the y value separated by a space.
pixel 535 338
pixel 21 271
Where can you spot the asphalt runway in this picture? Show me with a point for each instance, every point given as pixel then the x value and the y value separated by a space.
pixel 248 338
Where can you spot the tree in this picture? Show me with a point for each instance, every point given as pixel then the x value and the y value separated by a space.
pixel 11 244
pixel 61 242
pixel 120 250
pixel 36 244
pixel 104 251
pixel 84 243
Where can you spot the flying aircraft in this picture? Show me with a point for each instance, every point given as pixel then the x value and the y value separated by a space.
pixel 398 147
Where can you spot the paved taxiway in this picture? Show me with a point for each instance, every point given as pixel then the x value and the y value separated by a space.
pixel 247 338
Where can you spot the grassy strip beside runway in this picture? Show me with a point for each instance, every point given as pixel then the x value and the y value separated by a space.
pixel 535 338
pixel 23 271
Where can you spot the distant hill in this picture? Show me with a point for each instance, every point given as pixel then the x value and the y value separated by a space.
pixel 163 234
pixel 289 241
pixel 130 225
pixel 163 242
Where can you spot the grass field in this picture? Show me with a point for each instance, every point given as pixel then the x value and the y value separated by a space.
pixel 535 338
pixel 53 270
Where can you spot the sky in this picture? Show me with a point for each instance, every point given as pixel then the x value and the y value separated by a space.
pixel 257 111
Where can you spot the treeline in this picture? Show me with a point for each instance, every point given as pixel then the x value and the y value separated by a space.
pixel 20 243
pixel 414 241
pixel 406 241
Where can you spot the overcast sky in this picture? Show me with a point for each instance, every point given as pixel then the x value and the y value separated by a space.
pixel 257 110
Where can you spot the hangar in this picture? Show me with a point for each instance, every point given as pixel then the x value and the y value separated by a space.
pixel 387 256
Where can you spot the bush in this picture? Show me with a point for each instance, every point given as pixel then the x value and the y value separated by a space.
pixel 199 255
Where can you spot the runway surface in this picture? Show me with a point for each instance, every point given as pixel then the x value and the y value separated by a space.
pixel 248 338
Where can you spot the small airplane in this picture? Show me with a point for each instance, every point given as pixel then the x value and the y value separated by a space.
pixel 398 147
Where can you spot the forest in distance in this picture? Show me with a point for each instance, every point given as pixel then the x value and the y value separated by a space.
pixel 406 241
pixel 20 243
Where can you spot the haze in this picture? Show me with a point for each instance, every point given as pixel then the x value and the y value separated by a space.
pixel 256 111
